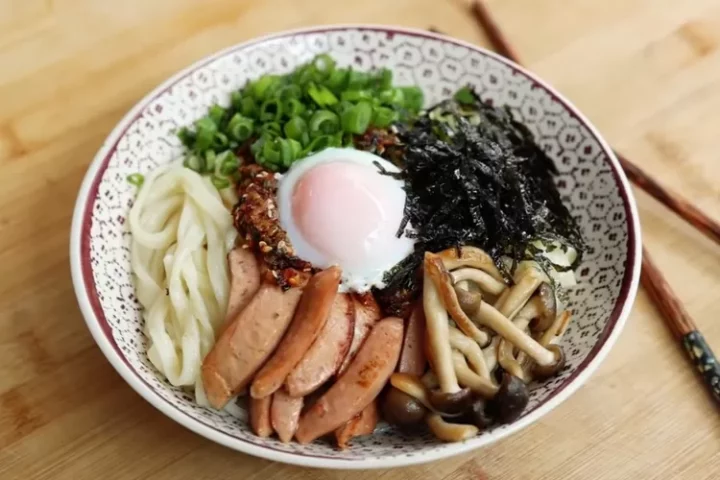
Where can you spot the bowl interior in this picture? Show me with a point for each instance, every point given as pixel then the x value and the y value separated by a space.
pixel 589 181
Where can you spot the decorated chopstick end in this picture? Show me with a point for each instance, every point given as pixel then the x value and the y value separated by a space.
pixel 705 361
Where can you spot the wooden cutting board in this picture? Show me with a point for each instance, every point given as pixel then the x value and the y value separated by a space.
pixel 646 72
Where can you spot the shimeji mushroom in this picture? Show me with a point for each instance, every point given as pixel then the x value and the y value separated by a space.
pixel 527 281
pixel 490 353
pixel 470 257
pixel 483 280
pixel 472 352
pixel 450 432
pixel 505 355
pixel 547 359
pixel 472 380
pixel 402 409
pixel 441 279
pixel 411 385
pixel 511 399
pixel 547 309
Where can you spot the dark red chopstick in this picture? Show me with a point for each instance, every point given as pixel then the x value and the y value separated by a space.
pixel 672 310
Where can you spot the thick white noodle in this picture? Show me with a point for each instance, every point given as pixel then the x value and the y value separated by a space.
pixel 181 233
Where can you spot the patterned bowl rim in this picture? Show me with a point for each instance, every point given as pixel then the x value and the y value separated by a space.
pixel 100 329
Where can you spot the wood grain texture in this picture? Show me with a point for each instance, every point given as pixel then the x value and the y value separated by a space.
pixel 646 72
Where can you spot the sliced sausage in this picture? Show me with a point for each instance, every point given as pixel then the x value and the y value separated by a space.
pixel 312 313
pixel 359 385
pixel 248 342
pixel 367 313
pixel 412 358
pixel 260 417
pixel 285 413
pixel 328 351
pixel 244 280
pixel 361 424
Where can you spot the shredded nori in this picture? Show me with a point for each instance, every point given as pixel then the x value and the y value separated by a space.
pixel 475 176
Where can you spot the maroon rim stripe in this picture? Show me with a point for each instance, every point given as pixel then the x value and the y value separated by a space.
pixel 91 289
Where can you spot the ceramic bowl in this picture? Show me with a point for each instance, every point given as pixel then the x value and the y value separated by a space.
pixel 591 182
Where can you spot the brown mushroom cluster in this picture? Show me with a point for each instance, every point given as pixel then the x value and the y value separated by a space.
pixel 485 340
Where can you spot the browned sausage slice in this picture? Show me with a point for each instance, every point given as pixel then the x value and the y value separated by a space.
pixel 361 424
pixel 248 342
pixel 245 280
pixel 328 351
pixel 367 313
pixel 260 417
pixel 312 313
pixel 285 413
pixel 412 358
pixel 359 385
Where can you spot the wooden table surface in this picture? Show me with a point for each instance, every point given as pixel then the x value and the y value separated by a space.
pixel 647 72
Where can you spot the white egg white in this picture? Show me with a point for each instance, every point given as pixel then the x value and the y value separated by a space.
pixel 353 279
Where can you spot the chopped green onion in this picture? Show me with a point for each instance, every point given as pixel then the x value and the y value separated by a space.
pixel 216 114
pixel 324 63
pixel 383 79
pixel 248 107
pixel 297 129
pixel 186 137
pixel 321 95
pixel 465 96
pixel 136 179
pixel 289 91
pixel 414 98
pixel 293 107
pixel 337 80
pixel 220 182
pixel 263 86
pixel 210 158
pixel 236 100
pixel 357 119
pixel 272 129
pixel 324 122
pixel 356 95
pixel 271 110
pixel 393 96
pixel 383 117
pixel 240 127
pixel 226 163
pixel 220 141
pixel 318 143
pixel 357 80
pixel 193 162
pixel 204 134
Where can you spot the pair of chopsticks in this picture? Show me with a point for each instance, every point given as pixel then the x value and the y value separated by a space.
pixel 672 310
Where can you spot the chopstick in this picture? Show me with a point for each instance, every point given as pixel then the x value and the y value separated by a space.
pixel 676 317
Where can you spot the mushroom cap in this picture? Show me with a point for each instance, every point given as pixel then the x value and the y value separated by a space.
pixel 478 414
pixel 542 372
pixel 451 403
pixel 547 307
pixel 469 301
pixel 401 409
pixel 511 399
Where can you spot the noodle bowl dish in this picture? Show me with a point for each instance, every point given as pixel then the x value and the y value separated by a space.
pixel 355 247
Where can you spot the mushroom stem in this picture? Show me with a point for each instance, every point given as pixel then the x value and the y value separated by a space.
pixel 470 257
pixel 442 280
pixel 482 279
pixel 430 380
pixel 490 353
pixel 505 354
pixel 472 380
pixel 411 385
pixel 450 432
pixel 472 352
pixel 487 315
pixel 437 335
pixel 520 294
pixel 556 329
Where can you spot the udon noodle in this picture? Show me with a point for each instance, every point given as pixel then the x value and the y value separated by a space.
pixel 181 233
